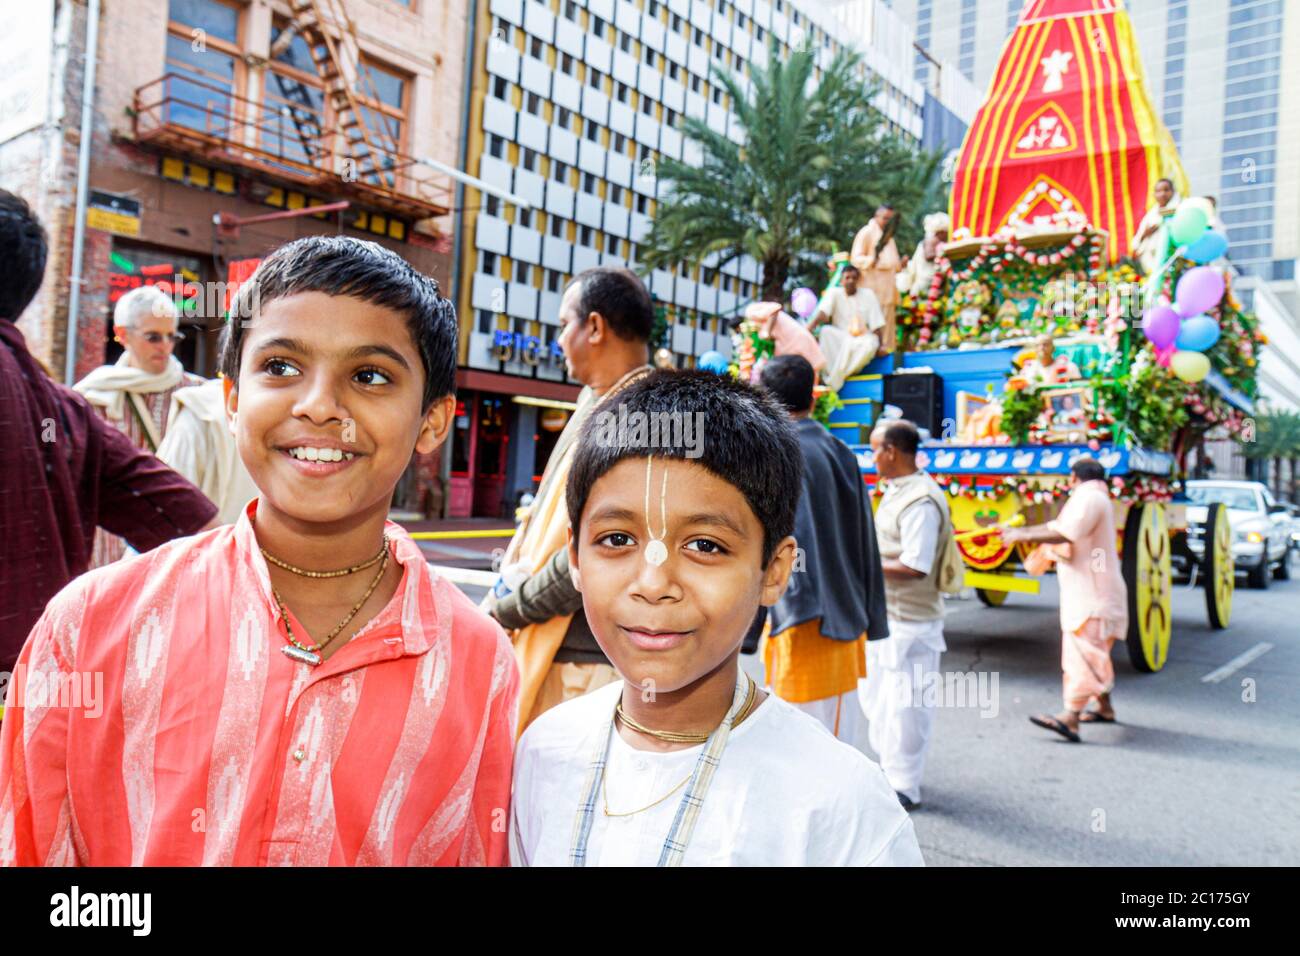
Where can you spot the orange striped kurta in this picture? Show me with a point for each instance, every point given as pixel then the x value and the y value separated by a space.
pixel 183 736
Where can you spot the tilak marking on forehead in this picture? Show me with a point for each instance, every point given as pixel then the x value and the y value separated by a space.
pixel 656 552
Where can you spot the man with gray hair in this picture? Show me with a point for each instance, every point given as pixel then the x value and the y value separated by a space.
pixel 135 394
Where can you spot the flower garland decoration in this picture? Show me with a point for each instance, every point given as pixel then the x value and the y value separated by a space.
pixel 968 308
pixel 1128 489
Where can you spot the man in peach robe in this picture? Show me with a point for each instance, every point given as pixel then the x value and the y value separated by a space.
pixel 875 253
pixel 1094 599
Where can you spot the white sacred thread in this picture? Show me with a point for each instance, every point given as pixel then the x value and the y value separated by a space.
pixel 656 552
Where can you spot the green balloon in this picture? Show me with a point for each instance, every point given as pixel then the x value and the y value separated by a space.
pixel 1188 225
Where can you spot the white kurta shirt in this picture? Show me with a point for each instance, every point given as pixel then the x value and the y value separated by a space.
pixel 786 793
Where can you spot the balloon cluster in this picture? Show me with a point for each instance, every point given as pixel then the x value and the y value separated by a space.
pixel 804 302
pixel 713 361
pixel 1183 332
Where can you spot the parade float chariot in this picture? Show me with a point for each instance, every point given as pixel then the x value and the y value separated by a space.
pixel 1053 179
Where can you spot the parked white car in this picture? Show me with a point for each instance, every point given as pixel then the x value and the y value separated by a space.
pixel 1261 527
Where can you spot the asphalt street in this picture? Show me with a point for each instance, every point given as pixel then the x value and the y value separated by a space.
pixel 1203 767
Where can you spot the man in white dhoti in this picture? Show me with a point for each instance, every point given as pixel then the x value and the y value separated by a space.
pixel 912 525
pixel 1150 243
pixel 852 317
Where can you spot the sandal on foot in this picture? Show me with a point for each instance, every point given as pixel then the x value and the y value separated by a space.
pixel 1055 725
pixel 1096 717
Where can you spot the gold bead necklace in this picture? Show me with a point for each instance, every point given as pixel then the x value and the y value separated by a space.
pixel 311 655
pixel 369 562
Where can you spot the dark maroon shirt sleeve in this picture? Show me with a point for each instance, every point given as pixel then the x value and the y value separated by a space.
pixel 140 498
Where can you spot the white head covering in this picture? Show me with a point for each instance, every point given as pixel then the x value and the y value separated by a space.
pixel 936 223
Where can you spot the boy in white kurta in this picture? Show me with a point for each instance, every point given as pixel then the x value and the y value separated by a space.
pixel 686 761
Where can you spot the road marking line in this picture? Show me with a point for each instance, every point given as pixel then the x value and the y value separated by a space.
pixel 1237 663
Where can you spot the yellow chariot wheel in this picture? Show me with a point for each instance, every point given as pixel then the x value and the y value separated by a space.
pixel 1149 576
pixel 1219 573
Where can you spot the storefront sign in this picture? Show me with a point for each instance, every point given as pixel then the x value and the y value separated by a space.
pixel 112 213
pixel 177 275
pixel 506 345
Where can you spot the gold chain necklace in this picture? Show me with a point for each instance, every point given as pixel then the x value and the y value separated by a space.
pixel 383 549
pixel 311 655
pixel 672 736
pixel 664 735
pixel 604 795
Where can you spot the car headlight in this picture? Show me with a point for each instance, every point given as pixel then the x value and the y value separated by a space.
pixel 1249 537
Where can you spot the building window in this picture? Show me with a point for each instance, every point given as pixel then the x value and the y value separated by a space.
pixel 489 266
pixel 554 281
pixel 564 116
pixel 596 26
pixel 293 98
pixel 592 132
pixel 589 184
pixel 642 205
pixel 524 217
pixel 566 64
pixel 647 105
pixel 501 88
pixel 210 77
pixel 502 30
pixel 496 146
pixel 559 171
pixel 557 229
pixel 530 160
pixel 615 194
pixel 594 78
pixel 696 84
pixel 670 118
pixel 492 205
pixel 523 273
pixel 625 43
pixel 570 11
pixel 585 236
pixel 697 37
pixel 622 92
pixel 382 99
pixel 537 48
pixel 620 142
pixel 533 104
pixel 674 71
pixel 611 245
pixel 648 55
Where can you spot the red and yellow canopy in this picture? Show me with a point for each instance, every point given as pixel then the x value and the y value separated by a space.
pixel 1067 125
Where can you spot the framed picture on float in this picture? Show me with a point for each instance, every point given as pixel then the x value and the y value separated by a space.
pixel 1067 412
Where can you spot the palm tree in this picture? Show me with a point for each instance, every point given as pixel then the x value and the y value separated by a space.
pixel 815 161
pixel 1276 439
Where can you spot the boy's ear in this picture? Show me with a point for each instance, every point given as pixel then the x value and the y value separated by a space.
pixel 231 398
pixel 777 573
pixel 575 575
pixel 437 422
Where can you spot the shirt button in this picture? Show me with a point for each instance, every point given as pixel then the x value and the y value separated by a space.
pixel 300 755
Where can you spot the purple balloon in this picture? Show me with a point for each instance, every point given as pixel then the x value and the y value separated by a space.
pixel 803 301
pixel 1199 290
pixel 1161 326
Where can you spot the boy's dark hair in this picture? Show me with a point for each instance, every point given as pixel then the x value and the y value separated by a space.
pixel 850 267
pixel 749 443
pixel 619 296
pixel 343 266
pixel 1088 469
pixel 901 434
pixel 1165 179
pixel 790 379
pixel 26 248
